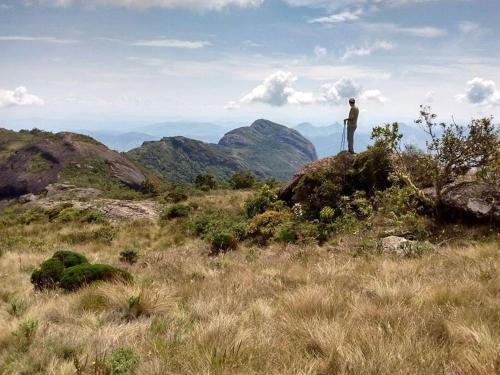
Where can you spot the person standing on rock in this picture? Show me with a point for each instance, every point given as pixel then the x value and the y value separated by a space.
pixel 352 124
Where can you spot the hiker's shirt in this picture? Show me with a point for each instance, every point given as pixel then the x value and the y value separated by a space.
pixel 352 122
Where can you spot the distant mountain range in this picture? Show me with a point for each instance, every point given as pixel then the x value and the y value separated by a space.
pixel 327 139
pixel 268 149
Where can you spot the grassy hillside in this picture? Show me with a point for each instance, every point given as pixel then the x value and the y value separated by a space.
pixel 282 308
pixel 269 150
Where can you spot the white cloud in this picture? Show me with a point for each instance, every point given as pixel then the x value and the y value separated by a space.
pixel 423 31
pixel 42 39
pixel 341 17
pixel 480 91
pixel 320 52
pixel 277 90
pixel 169 4
pixel 367 50
pixel 469 28
pixel 18 98
pixel 374 95
pixel 172 43
pixel 429 97
pixel 336 4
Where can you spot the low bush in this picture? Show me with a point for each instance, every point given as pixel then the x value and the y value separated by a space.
pixel 75 277
pixel 205 182
pixel 69 258
pixel 222 242
pixel 264 226
pixel 129 256
pixel 176 194
pixel 50 271
pixel 265 199
pixel 123 361
pixel 176 211
pixel 242 180
pixel 48 275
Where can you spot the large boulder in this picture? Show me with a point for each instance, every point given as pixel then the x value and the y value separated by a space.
pixel 471 199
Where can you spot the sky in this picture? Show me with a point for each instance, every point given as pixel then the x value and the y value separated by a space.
pixel 290 61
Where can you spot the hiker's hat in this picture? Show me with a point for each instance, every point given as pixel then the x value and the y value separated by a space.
pixel 352 100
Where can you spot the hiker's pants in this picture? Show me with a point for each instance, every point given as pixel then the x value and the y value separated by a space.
pixel 350 137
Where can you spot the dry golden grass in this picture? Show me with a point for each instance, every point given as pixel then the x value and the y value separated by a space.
pixel 275 310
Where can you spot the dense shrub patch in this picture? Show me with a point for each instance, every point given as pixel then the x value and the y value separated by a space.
pixel 70 270
pixel 242 180
pixel 175 211
pixel 75 277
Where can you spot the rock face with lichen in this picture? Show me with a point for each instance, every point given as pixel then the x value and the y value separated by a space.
pixel 476 199
pixel 30 161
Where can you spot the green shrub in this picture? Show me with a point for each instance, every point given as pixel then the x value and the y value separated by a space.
pixel 327 214
pixel 48 275
pixel 129 256
pixel 242 180
pixel 123 361
pixel 25 333
pixel 222 242
pixel 205 182
pixel 75 277
pixel 69 258
pixel 286 234
pixel 263 227
pixel 210 223
pixel 176 211
pixel 265 199
pixel 177 194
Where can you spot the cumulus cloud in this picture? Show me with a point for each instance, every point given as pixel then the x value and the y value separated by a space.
pixel 374 95
pixel 480 91
pixel 20 97
pixel 278 90
pixel 429 97
pixel 367 50
pixel 319 51
pixel 172 43
pixel 341 17
pixel 168 4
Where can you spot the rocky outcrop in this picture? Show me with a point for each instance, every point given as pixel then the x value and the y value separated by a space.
pixel 45 156
pixel 472 199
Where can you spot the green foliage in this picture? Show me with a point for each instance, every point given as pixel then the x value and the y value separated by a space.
pixel 205 182
pixel 75 277
pixel 25 333
pixel 242 180
pixel 176 194
pixel 49 274
pixel 264 227
pixel 176 211
pixel 327 214
pixel 371 169
pixel 387 137
pixel 123 361
pixel 129 256
pixel 455 148
pixel 69 258
pixel 222 242
pixel 265 199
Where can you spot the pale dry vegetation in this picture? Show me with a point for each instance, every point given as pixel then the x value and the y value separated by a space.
pixel 280 309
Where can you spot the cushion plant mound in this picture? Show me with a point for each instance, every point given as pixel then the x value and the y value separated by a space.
pixel 83 274
pixel 69 258
pixel 48 275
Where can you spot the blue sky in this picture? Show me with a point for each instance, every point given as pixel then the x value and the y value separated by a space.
pixel 238 60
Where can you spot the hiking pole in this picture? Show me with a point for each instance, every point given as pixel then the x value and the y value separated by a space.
pixel 342 142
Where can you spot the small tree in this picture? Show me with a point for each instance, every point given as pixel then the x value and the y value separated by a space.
pixel 205 182
pixel 455 149
pixel 242 180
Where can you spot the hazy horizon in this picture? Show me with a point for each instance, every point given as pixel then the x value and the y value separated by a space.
pixel 234 61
